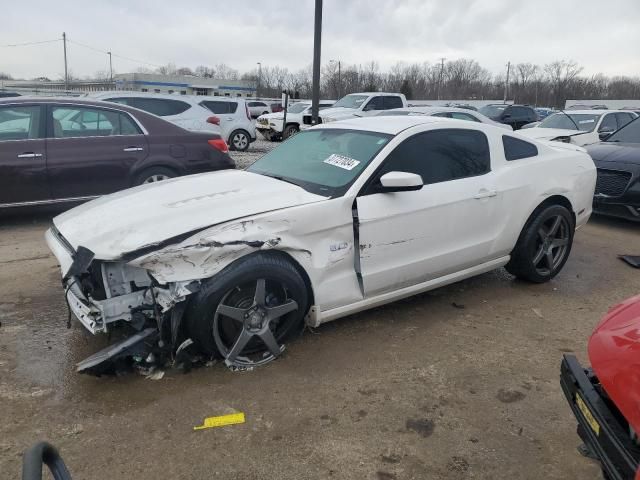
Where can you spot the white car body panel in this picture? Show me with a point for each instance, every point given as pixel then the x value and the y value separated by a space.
pixel 230 122
pixel 435 111
pixel 403 242
pixel 273 122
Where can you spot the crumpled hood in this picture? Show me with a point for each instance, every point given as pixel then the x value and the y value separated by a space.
pixel 613 152
pixel 614 353
pixel 128 220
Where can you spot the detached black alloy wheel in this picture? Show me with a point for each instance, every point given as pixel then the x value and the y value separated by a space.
pixel 544 245
pixel 153 175
pixel 247 312
pixel 239 140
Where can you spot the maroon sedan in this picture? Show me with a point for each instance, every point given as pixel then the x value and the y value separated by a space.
pixel 55 150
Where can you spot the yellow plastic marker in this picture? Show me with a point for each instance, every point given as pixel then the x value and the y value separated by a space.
pixel 221 421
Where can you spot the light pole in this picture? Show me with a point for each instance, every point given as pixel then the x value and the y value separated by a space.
pixel 440 77
pixel 110 68
pixel 506 84
pixel 317 40
pixel 64 46
pixel 259 79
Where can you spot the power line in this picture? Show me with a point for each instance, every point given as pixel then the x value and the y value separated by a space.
pixel 114 54
pixel 26 44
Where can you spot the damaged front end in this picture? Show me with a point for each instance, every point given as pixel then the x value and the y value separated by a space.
pixel 108 296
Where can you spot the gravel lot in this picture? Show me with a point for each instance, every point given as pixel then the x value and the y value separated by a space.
pixel 255 151
pixel 458 383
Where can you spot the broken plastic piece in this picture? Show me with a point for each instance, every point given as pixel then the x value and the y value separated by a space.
pixel 634 261
pixel 221 421
pixel 137 344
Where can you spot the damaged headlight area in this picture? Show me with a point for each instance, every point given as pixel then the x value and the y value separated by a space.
pixel 114 296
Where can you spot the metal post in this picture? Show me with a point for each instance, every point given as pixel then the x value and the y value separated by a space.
pixel 259 79
pixel 339 79
pixel 66 76
pixel 506 84
pixel 110 69
pixel 285 107
pixel 317 39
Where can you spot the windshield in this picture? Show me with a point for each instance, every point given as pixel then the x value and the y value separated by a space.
pixel 323 161
pixel 585 122
pixel 298 107
pixel 492 110
pixel 630 133
pixel 351 101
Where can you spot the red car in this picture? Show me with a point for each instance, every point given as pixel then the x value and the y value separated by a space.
pixel 605 398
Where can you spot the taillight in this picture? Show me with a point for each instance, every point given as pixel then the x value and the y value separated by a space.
pixel 215 120
pixel 219 144
pixel 246 109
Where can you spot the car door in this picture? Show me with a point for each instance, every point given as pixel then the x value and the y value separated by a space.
pixel 608 125
pixel 93 158
pixel 373 106
pixel 411 237
pixel 23 168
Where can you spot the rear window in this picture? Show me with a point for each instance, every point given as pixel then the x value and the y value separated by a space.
pixel 392 102
pixel 219 107
pixel 163 107
pixel 516 149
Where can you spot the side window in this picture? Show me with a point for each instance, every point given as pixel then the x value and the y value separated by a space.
pixel 120 100
pixel 163 107
pixel 464 116
pixel 128 126
pixel 609 123
pixel 442 114
pixel 518 112
pixel 220 107
pixel 623 119
pixel 392 102
pixel 376 103
pixel 84 122
pixel 20 123
pixel 515 149
pixel 440 156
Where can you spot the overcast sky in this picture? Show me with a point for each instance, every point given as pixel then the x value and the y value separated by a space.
pixel 602 36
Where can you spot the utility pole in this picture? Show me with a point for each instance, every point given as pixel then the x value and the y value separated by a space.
pixel 317 39
pixel 66 75
pixel 506 84
pixel 441 73
pixel 339 80
pixel 110 69
pixel 259 79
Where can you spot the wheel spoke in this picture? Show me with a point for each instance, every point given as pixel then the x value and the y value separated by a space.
pixel 549 258
pixel 241 342
pixel 559 242
pixel 270 341
pixel 261 292
pixel 542 233
pixel 281 310
pixel 539 255
pixel 232 312
pixel 555 226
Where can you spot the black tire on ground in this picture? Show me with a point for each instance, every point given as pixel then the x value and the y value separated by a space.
pixel 544 244
pixel 236 286
pixel 153 174
pixel 239 140
pixel 289 131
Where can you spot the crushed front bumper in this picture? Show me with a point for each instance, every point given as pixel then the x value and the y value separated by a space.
pixel 599 423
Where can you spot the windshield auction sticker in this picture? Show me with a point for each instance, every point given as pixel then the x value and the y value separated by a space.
pixel 342 161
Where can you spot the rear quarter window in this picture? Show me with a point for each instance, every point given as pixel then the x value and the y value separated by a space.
pixel 220 107
pixel 163 107
pixel 516 149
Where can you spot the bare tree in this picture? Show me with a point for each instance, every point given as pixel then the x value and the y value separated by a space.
pixel 561 73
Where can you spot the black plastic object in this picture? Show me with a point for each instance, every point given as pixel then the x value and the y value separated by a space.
pixel 634 261
pixel 81 261
pixel 39 454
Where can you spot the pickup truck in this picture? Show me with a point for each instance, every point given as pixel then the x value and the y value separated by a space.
pixel 358 105
pixel 270 124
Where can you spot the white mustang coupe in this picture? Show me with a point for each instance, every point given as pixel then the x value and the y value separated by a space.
pixel 340 218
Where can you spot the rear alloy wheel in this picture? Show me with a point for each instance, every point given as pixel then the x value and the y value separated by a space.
pixel 154 175
pixel 544 245
pixel 239 140
pixel 290 131
pixel 249 311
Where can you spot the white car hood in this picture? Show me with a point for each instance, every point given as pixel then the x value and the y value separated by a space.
pixel 548 133
pixel 150 214
pixel 340 112
pixel 272 116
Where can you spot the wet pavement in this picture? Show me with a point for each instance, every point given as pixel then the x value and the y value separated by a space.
pixel 461 382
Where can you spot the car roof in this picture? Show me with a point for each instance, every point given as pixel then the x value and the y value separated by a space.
pixel 592 111
pixel 199 98
pixel 431 110
pixel 396 124
pixel 129 93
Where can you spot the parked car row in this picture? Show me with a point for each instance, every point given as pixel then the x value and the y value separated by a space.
pixel 271 125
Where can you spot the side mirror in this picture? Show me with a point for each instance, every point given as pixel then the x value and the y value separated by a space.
pixel 604 133
pixel 401 182
pixel 506 116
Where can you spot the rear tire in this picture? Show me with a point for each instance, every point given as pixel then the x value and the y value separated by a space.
pixel 239 140
pixel 544 245
pixel 224 308
pixel 153 175
pixel 289 131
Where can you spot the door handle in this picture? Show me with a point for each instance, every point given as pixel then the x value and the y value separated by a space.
pixel 485 194
pixel 29 155
pixel 133 149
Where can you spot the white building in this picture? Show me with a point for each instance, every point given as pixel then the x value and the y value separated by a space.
pixel 183 85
